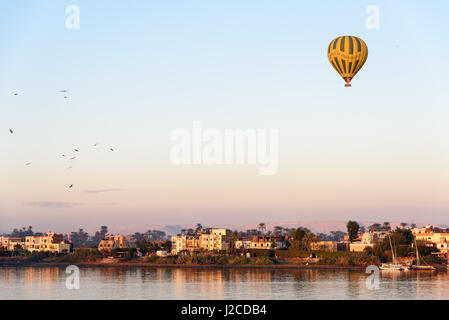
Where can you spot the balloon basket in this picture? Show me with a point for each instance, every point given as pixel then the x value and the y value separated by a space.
pixel 347 85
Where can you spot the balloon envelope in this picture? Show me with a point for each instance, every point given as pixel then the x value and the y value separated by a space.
pixel 347 54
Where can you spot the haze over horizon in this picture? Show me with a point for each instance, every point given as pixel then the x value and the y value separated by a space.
pixel 378 151
pixel 129 227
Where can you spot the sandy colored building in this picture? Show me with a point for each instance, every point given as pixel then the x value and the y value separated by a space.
pixel 215 239
pixel 329 246
pixel 49 242
pixel 9 243
pixel 189 243
pixel 212 239
pixel 242 244
pixel 112 242
pixel 430 238
pixel 367 241
pixel 178 244
pixel 267 242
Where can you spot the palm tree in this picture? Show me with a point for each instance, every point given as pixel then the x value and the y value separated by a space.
pixel 262 227
pixel 308 238
pixel 278 230
pixel 199 227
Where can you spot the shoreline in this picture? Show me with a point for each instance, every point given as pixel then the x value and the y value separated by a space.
pixel 177 266
pixel 85 265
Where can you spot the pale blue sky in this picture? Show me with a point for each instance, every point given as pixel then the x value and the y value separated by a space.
pixel 136 70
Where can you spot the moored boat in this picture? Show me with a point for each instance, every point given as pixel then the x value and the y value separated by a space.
pixel 422 268
pixel 394 266
pixel 418 266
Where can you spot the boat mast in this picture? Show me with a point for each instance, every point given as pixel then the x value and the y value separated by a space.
pixel 392 250
pixel 417 253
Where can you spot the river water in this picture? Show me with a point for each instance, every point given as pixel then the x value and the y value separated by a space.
pixel 204 283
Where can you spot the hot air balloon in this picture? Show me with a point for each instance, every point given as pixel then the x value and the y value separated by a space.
pixel 347 54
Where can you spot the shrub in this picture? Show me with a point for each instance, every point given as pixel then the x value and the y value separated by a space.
pixel 349 259
pixel 239 260
pixel 261 252
pixel 81 255
pixel 262 261
pixel 37 256
pixel 432 260
pixel 291 253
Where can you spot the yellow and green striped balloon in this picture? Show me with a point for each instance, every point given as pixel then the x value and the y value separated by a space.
pixel 347 54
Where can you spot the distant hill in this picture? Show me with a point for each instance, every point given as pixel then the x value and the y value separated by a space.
pixel 314 226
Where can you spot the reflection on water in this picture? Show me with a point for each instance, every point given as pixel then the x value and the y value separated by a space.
pixel 258 284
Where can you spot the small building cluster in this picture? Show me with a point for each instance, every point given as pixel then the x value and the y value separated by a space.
pixel 49 242
pixel 432 237
pixel 220 240
pixel 367 240
pixel 210 240
pixel 112 242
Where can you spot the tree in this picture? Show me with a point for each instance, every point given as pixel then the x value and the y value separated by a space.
pixel 252 232
pixel 298 235
pixel 277 230
pixel 337 235
pixel 101 234
pixel 308 238
pixel 199 227
pixel 262 227
pixel 143 245
pixel 353 230
pixel 79 239
pixel 402 236
pixel 24 232
pixel 374 227
pixel 18 249
pixel 168 246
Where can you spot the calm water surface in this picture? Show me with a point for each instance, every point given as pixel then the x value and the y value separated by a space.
pixel 162 283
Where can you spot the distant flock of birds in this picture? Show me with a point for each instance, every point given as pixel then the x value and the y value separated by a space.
pixel 11 131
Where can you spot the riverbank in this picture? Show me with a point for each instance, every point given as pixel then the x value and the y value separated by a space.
pixel 18 263
pixel 23 263
pixel 197 262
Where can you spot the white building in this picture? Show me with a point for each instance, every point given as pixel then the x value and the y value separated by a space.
pixel 366 242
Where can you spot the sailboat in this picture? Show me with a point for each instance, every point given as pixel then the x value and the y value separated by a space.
pixel 418 265
pixel 392 266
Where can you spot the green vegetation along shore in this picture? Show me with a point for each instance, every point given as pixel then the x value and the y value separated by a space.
pixel 281 259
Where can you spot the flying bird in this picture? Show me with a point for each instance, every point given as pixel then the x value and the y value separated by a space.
pixel 69 167
pixel 28 164
pixel 63 155
pixel 112 149
pixel 10 130
pixel 95 144
pixel 63 91
pixel 76 150
pixel 71 186
pixel 16 94
pixel 73 158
